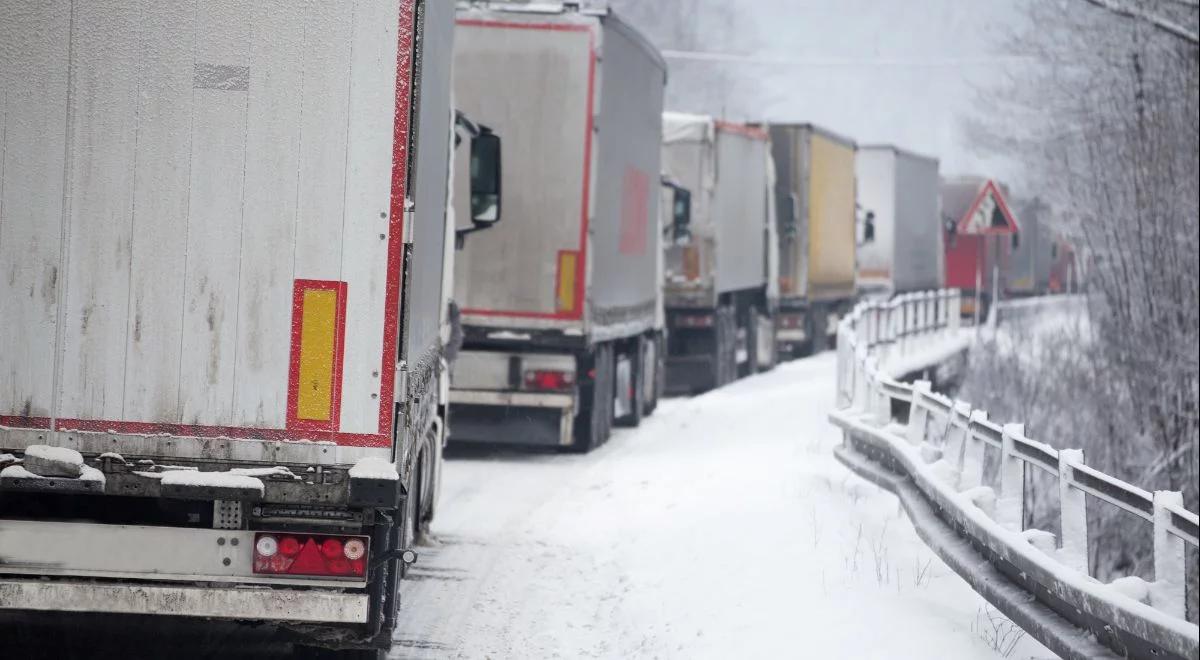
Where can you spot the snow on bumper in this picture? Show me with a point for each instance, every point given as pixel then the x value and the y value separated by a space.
pixel 264 604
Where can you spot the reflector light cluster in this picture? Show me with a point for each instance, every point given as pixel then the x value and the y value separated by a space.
pixel 549 380
pixel 791 321
pixel 310 554
pixel 695 321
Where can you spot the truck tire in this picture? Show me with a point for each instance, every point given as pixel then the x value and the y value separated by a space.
pixel 726 346
pixel 594 421
pixel 637 385
pixel 659 377
pixel 820 333
pixel 751 325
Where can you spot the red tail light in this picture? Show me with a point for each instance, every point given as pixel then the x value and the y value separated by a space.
pixel 695 321
pixel 549 380
pixel 310 554
pixel 791 321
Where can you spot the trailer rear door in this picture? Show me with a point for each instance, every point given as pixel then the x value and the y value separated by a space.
pixel 532 80
pixel 201 226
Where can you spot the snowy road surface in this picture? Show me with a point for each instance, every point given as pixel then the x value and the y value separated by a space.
pixel 721 528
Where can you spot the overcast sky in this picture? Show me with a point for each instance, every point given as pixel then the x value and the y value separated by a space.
pixel 906 72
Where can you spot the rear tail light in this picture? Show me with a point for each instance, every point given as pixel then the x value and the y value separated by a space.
pixel 310 554
pixel 695 321
pixel 791 321
pixel 549 380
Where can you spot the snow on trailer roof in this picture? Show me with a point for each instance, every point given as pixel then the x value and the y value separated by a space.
pixel 686 127
pixel 819 130
pixel 534 9
pixel 898 150
pixel 538 6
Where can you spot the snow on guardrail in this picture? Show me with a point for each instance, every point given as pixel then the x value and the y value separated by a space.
pixel 936 451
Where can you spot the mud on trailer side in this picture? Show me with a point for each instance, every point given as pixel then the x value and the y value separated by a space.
pixel 559 301
pixel 222 401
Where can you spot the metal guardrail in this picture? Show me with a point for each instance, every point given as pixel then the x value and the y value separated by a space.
pixel 942 457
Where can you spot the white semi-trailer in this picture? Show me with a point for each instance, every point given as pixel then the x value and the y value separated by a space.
pixel 900 236
pixel 559 302
pixel 721 268
pixel 222 233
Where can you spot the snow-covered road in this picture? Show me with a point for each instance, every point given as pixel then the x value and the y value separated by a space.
pixel 721 528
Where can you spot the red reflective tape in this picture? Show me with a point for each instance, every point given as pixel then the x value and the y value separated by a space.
pixel 401 135
pixel 333 420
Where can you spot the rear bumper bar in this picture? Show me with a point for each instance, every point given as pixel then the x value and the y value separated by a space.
pixel 264 603
pixel 521 418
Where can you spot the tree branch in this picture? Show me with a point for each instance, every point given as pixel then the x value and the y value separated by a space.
pixel 1170 27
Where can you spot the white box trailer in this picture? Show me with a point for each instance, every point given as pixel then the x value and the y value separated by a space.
pixel 900 243
pixel 222 231
pixel 559 300
pixel 720 289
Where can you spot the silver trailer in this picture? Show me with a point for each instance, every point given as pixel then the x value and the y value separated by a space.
pixel 1034 250
pixel 900 241
pixel 720 271
pixel 559 301
pixel 815 195
pixel 224 229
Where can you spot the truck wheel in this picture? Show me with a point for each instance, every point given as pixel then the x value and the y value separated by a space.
pixel 726 346
pixel 637 385
pixel 751 323
pixel 658 379
pixel 595 418
pixel 820 333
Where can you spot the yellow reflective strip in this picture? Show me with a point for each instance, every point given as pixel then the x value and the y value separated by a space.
pixel 318 335
pixel 566 281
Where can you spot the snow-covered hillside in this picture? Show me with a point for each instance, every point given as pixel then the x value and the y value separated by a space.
pixel 721 528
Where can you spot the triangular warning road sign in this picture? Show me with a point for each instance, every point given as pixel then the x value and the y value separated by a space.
pixel 988 214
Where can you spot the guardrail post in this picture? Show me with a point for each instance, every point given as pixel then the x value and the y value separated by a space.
pixel 955 309
pixel 860 379
pixel 1010 503
pixel 956 431
pixel 918 414
pixel 973 453
pixel 1073 512
pixel 930 311
pixel 1170 573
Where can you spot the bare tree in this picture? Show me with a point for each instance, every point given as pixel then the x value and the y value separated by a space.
pixel 1110 132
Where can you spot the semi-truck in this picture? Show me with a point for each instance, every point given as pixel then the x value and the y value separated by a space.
pixel 979 231
pixel 815 198
pixel 900 229
pixel 223 231
pixel 720 292
pixel 559 302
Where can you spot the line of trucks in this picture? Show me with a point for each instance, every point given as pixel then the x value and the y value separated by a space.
pixel 253 278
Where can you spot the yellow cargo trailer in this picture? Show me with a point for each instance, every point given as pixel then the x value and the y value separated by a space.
pixel 815 202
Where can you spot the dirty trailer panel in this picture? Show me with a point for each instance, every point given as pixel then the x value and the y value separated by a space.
pixel 212 247
pixel 577 248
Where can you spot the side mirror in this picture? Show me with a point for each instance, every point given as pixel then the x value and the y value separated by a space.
pixel 789 219
pixel 485 179
pixel 869 228
pixel 681 215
